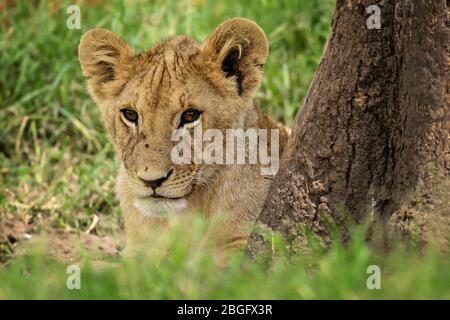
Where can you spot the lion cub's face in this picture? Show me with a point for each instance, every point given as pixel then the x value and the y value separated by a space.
pixel 179 83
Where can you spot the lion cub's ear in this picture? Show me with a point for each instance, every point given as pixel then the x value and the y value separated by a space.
pixel 240 48
pixel 106 60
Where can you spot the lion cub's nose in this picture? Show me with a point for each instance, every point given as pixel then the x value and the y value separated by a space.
pixel 155 183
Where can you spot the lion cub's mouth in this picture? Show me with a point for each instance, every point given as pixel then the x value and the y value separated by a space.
pixel 158 196
pixel 153 195
pixel 159 206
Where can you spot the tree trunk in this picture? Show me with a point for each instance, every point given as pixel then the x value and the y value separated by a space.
pixel 372 135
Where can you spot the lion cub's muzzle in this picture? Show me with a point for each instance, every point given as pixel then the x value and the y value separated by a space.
pixel 155 183
pixel 176 184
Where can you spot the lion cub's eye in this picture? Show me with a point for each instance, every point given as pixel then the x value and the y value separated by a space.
pixel 130 115
pixel 189 116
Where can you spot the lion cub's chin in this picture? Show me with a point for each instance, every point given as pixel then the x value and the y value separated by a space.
pixel 159 207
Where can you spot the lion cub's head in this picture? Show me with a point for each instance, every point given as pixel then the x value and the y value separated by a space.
pixel 178 83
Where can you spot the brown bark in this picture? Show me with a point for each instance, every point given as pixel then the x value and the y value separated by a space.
pixel 372 135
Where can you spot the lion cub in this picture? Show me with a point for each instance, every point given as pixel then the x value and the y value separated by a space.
pixel 182 84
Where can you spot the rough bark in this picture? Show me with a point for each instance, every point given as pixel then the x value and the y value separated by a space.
pixel 372 135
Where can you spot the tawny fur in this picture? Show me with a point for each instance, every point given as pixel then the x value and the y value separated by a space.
pixel 161 83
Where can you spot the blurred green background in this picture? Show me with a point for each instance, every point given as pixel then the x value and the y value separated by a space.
pixel 57 166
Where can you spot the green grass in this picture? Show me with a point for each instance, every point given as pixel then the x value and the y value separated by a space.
pixel 178 265
pixel 57 166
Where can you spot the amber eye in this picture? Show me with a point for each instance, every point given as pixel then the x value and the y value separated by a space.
pixel 130 115
pixel 189 116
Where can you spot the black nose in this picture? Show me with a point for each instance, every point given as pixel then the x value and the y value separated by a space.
pixel 155 183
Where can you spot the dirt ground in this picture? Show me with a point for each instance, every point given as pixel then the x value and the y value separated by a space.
pixel 18 234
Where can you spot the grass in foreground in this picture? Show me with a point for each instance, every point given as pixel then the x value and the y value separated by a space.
pixel 178 265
